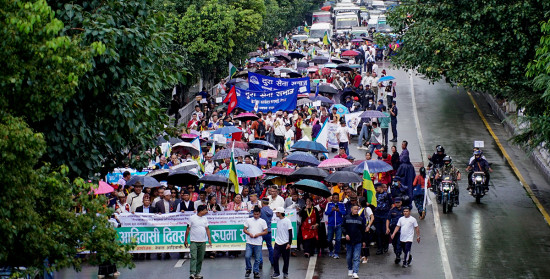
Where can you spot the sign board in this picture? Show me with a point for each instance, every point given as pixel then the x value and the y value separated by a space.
pixel 479 144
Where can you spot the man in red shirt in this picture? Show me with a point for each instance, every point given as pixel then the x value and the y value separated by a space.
pixel 357 79
pixel 341 154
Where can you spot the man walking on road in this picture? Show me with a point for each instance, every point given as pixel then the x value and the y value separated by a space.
pixel 283 240
pixel 198 228
pixel 408 225
pixel 254 228
pixel 354 226
pixel 395 214
pixel 393 118
pixel 335 211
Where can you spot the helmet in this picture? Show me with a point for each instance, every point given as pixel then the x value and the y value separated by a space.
pixel 477 152
pixel 447 159
pixel 439 148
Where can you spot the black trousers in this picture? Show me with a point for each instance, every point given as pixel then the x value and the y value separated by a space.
pixel 280 143
pixel 394 128
pixel 280 250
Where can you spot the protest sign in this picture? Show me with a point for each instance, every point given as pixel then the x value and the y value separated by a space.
pixel 159 233
pixel 352 121
pixel 266 101
pixel 257 82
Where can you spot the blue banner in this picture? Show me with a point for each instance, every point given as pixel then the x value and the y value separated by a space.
pixel 258 82
pixel 265 101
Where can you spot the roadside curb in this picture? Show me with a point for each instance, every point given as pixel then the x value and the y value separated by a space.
pixel 535 155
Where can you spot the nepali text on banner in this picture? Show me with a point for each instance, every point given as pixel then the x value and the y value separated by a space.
pixel 265 101
pixel 155 233
pixel 257 82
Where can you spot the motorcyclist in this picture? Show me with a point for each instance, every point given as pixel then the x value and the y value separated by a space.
pixel 449 170
pixel 479 164
pixel 436 159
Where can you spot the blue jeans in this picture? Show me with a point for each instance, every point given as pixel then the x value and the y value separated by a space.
pixel 267 238
pixel 255 250
pixel 363 135
pixel 372 147
pixel 334 232
pixel 353 256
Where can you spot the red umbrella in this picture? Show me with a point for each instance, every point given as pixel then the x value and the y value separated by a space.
pixel 245 116
pixel 312 69
pixel 350 53
pixel 238 144
pixel 279 171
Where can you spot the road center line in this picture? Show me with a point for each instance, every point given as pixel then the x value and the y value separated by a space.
pixel 179 263
pixel 511 163
pixel 435 209
pixel 311 267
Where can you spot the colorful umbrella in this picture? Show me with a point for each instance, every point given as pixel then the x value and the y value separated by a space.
pixel 188 137
pixel 279 171
pixel 102 188
pixel 375 166
pixel 313 187
pixel 226 173
pixel 185 146
pixel 334 163
pixel 340 109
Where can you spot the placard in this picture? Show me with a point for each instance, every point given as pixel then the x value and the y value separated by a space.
pixel 219 100
pixel 479 144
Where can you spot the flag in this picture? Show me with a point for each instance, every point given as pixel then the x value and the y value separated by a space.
pixel 213 148
pixel 322 137
pixel 232 70
pixel 232 99
pixel 326 39
pixel 306 28
pixel 285 43
pixel 427 200
pixel 369 186
pixel 233 177
pixel 317 91
pixel 288 143
pixel 197 144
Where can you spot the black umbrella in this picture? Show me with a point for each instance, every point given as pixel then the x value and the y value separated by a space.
pixel 241 74
pixel 214 179
pixel 313 187
pixel 296 55
pixel 283 57
pixel 182 177
pixel 346 94
pixel 226 153
pixel 253 54
pixel 343 177
pixel 235 81
pixel 338 60
pixel 171 140
pixel 302 65
pixel 294 75
pixel 309 173
pixel 146 181
pixel 261 144
pixel 262 72
pixel 320 60
pixel 159 175
pixel 327 89
pixel 255 151
pixel 344 68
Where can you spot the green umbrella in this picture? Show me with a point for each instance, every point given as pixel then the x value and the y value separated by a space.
pixel 313 187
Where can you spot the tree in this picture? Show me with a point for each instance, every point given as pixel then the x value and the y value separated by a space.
pixel 115 115
pixel 40 69
pixel 481 45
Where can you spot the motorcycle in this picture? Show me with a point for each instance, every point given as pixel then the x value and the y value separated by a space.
pixel 448 194
pixel 434 182
pixel 478 188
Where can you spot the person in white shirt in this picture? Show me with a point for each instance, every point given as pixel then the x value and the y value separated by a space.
pixel 283 241
pixel 374 83
pixel 289 137
pixel 274 199
pixel 209 165
pixel 199 230
pixel 408 225
pixel 253 201
pixel 121 206
pixel 342 134
pixel 254 228
pixel 135 199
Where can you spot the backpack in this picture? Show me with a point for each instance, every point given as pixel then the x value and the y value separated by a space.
pixel 261 129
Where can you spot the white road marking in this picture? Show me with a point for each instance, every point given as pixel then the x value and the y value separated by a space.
pixel 435 209
pixel 179 263
pixel 311 267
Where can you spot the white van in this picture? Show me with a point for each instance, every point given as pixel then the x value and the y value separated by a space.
pixel 317 31
pixel 344 22
pixel 321 17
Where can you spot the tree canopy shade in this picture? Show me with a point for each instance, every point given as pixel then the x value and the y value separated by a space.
pixel 480 45
pixel 39 72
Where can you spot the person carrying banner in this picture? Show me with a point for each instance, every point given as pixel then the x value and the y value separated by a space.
pixel 198 228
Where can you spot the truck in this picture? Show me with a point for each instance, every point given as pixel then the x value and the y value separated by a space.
pixel 321 17
pixel 317 31
pixel 344 22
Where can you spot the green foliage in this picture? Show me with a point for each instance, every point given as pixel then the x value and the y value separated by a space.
pixel 116 109
pixel 481 45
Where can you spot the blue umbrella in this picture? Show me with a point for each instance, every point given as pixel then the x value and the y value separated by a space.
pixel 312 146
pixel 323 99
pixel 331 66
pixel 249 170
pixel 261 144
pixel 302 159
pixel 386 78
pixel 227 130
pixel 372 114
pixel 313 187
pixel 226 153
pixel 256 59
pixel 226 173
pixel 340 109
pixel 146 181
pixel 375 166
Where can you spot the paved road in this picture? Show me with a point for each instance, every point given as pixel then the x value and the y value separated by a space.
pixel 504 237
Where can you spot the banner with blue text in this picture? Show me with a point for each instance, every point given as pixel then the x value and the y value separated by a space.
pixel 265 101
pixel 257 82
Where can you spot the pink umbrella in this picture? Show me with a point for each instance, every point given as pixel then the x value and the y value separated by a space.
pixel 279 171
pixel 334 163
pixel 313 69
pixel 103 188
pixel 238 144
pixel 350 53
pixel 188 137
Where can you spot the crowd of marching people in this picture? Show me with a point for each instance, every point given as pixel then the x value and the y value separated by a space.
pixel 325 223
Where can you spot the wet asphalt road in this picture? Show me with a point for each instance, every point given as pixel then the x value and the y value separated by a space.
pixel 503 237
